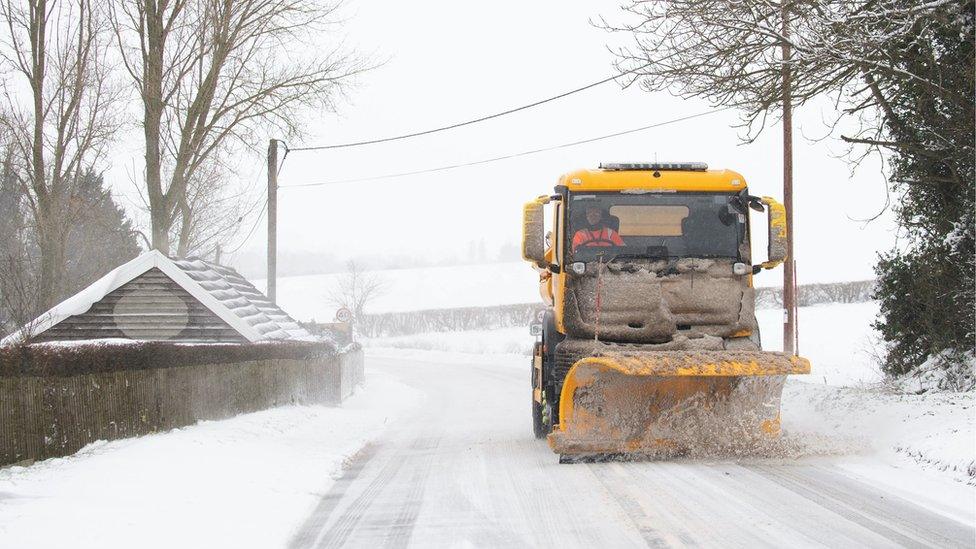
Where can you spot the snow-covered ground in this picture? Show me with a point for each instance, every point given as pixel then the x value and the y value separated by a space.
pixel 933 432
pixel 464 471
pixel 456 459
pixel 844 398
pixel 453 469
pixel 241 482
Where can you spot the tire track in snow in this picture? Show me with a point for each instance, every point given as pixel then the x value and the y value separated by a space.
pixel 342 527
pixel 353 515
pixel 615 485
pixel 307 534
pixel 344 524
pixel 399 532
pixel 538 486
pixel 899 521
pixel 486 532
pixel 767 499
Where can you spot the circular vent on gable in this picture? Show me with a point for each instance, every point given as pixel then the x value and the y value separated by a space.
pixel 159 314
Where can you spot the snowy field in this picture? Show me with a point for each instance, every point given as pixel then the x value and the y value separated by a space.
pixel 241 482
pixel 837 338
pixel 307 297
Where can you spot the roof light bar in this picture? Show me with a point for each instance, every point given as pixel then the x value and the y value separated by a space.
pixel 655 166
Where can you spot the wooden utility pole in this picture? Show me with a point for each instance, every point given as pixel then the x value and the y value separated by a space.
pixel 272 219
pixel 789 278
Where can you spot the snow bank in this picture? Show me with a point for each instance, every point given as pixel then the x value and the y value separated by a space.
pixel 248 481
pixel 934 430
pixel 947 371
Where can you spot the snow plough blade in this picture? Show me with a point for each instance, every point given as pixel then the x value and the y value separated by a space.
pixel 646 402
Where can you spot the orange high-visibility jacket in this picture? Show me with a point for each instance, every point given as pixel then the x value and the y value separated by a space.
pixel 601 237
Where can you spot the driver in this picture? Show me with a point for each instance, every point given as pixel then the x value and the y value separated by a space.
pixel 596 233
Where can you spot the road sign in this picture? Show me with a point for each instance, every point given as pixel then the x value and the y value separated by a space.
pixel 343 315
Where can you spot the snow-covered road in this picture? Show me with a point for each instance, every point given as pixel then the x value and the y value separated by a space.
pixel 462 470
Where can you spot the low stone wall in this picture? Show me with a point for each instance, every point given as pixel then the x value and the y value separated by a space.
pixel 352 373
pixel 46 412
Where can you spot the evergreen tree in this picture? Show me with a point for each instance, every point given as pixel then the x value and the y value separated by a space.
pixel 18 288
pixel 926 286
pixel 100 238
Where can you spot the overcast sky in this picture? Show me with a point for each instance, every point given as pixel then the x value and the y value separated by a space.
pixel 449 61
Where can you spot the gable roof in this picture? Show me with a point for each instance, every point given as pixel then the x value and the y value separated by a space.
pixel 220 289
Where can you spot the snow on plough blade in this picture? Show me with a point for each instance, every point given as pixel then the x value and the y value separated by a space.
pixel 644 402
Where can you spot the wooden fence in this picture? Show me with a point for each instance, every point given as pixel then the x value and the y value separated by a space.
pixel 43 416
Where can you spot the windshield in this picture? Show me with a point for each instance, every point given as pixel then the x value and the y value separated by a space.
pixel 653 225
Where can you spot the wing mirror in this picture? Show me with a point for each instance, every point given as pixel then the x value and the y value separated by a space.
pixel 776 225
pixel 743 201
pixel 533 231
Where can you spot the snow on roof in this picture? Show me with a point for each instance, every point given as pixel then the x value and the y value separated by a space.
pixel 221 289
pixel 238 295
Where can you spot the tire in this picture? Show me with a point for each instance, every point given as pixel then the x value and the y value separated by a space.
pixel 538 419
pixel 539 427
pixel 551 337
pixel 543 416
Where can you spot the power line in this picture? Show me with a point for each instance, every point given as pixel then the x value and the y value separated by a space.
pixel 466 123
pixel 508 156
pixel 257 221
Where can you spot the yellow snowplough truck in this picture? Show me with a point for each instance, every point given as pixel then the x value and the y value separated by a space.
pixel 649 340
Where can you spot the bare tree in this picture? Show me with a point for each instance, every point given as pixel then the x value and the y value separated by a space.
pixel 729 52
pixel 212 212
pixel 58 51
pixel 726 51
pixel 356 289
pixel 213 77
pixel 18 285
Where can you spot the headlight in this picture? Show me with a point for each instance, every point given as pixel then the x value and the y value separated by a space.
pixel 740 268
pixel 579 267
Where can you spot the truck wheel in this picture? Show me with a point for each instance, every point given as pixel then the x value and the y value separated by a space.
pixel 538 420
pixel 539 427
